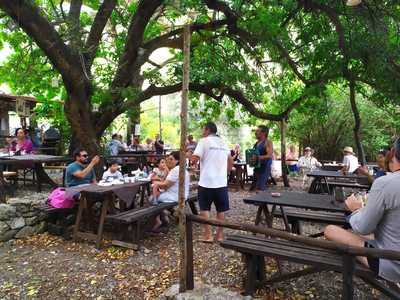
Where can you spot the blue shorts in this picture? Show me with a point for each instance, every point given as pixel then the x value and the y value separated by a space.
pixel 218 196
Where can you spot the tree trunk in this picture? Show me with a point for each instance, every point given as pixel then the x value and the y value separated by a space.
pixel 357 122
pixel 78 112
pixel 133 119
pixel 283 154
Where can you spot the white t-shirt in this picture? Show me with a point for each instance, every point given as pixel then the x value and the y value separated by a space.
pixel 351 162
pixel 308 162
pixel 107 175
pixel 172 194
pixel 213 153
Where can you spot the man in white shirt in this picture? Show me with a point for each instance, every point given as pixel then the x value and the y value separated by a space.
pixel 167 191
pixel 350 161
pixel 215 165
pixel 306 163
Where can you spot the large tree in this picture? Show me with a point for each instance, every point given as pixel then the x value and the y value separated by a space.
pixel 268 56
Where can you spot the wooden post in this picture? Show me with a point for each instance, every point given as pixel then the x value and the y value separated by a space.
pixel 283 153
pixel 348 271
pixel 189 255
pixel 182 162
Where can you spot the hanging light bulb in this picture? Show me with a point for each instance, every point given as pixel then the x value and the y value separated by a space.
pixel 353 2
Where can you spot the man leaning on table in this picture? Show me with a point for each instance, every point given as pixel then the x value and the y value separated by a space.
pixel 81 171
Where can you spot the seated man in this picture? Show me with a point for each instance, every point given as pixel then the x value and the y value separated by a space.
pixel 306 163
pixel 166 191
pixel 81 171
pixel 350 161
pixel 380 217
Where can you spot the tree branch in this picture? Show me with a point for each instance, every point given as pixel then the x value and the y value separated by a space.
pixel 29 18
pixel 173 39
pixel 140 19
pixel 74 23
pixel 96 31
pixel 210 89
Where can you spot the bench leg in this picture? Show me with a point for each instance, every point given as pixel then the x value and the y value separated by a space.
pixel 296 226
pixel 251 275
pixel 193 208
pixel 348 271
pixel 392 292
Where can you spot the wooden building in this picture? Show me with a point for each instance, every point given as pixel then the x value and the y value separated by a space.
pixel 22 105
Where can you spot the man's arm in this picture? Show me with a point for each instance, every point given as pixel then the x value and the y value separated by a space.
pixel 83 173
pixel 365 220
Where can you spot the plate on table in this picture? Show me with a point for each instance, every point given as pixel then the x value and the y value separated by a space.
pixel 144 179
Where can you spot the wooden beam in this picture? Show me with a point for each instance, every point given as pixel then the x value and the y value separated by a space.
pixel 351 250
pixel 182 162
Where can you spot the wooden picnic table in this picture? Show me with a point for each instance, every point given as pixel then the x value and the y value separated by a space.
pixel 322 177
pixel 91 193
pixel 299 200
pixel 34 161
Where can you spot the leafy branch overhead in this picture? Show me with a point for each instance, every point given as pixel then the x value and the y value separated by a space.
pixel 269 57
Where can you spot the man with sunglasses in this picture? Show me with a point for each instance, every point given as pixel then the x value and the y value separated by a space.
pixel 81 171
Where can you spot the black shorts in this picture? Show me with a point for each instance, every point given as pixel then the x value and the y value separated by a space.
pixel 373 262
pixel 218 196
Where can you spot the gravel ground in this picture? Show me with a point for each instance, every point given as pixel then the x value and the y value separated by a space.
pixel 48 267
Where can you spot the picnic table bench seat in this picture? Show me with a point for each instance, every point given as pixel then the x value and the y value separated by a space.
pixel 295 215
pixel 130 223
pixel 255 248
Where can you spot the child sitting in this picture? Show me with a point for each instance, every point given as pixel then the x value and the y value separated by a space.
pixel 113 172
pixel 161 172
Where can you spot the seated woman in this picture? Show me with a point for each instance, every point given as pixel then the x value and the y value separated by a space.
pixel 166 191
pixel 379 171
pixel 22 144
pixel 380 217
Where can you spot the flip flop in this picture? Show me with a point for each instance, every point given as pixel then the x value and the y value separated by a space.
pixel 205 241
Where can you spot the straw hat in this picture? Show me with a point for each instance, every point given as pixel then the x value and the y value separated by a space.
pixel 348 150
pixel 307 149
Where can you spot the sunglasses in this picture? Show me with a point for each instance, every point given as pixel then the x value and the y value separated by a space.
pixel 84 155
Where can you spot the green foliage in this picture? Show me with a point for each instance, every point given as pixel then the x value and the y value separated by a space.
pixel 279 52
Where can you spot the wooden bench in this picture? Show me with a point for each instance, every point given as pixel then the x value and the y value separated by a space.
pixel 58 219
pixel 255 248
pixel 132 221
pixel 295 215
pixel 354 185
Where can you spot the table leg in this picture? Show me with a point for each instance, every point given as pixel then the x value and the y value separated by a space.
pixel 285 219
pixel 2 186
pixel 104 209
pixel 82 206
pixel 142 193
pixel 269 216
pixel 42 177
pixel 258 216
